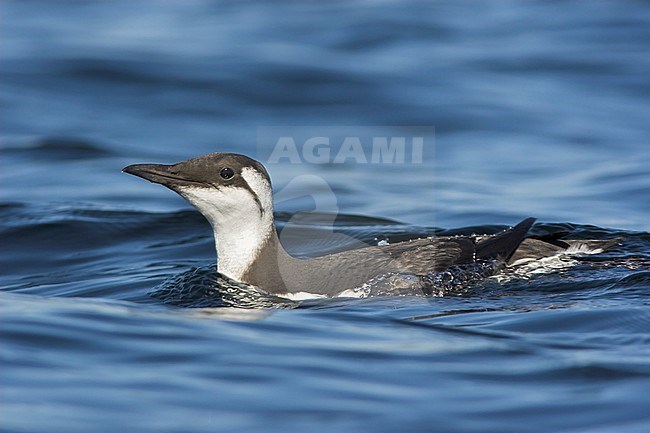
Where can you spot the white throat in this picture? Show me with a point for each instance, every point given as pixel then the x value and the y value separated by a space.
pixel 240 228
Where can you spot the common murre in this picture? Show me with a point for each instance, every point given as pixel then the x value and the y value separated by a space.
pixel 233 192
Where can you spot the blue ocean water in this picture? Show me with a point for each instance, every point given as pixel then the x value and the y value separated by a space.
pixel 539 109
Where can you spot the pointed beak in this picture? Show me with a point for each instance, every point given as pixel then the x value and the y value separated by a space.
pixel 165 175
pixel 156 173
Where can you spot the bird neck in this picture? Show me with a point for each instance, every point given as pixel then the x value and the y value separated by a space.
pixel 240 242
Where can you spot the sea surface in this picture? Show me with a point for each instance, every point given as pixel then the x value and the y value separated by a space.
pixel 112 317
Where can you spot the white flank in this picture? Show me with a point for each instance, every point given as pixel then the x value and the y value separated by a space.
pixel 354 293
pixel 301 296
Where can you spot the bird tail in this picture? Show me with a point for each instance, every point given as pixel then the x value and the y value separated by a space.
pixel 503 245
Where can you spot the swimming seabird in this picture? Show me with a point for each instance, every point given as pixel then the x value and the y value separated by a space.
pixel 233 192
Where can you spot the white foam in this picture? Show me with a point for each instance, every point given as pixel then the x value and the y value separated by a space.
pixel 566 259
pixel 582 248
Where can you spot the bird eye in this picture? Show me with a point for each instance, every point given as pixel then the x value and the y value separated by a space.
pixel 226 173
